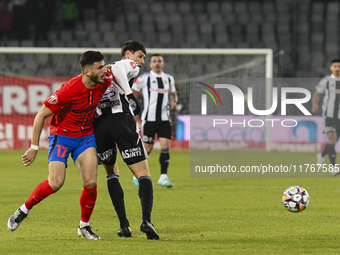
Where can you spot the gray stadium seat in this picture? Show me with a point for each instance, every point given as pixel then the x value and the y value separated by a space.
pixel 66 35
pixel 255 7
pixel 72 44
pixel 227 6
pixel 199 6
pixel 175 19
pixel 156 7
pixel 240 7
pixel 119 26
pixel 27 43
pixel 104 26
pixel 216 18
pixel 256 17
pixel 90 25
pixel 236 33
pixel 332 7
pixel 165 37
pixel 318 7
pixel 268 7
pixel 184 6
pixel 213 6
pixel 108 38
pixel 171 7
pixel 243 18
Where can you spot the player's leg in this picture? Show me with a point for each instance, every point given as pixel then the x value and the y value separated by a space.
pixel 164 160
pixel 164 133
pixel 329 129
pixel 117 197
pixel 141 171
pixel 59 149
pixel 149 129
pixel 85 158
pixel 44 189
pixel 134 155
pixel 106 138
pixel 148 134
pixel 332 138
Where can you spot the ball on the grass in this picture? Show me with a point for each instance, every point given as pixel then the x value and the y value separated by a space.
pixel 295 199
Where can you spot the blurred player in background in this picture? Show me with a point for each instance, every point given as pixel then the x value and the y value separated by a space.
pixel 156 87
pixel 330 86
pixel 71 131
pixel 115 127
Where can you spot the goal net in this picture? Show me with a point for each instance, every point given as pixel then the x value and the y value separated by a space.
pixel 29 75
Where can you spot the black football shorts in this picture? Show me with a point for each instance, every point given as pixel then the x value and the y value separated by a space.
pixel 118 130
pixel 151 128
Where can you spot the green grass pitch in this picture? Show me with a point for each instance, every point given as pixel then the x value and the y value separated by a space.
pixel 196 216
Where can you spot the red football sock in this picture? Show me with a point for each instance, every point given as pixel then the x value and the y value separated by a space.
pixel 42 191
pixel 87 201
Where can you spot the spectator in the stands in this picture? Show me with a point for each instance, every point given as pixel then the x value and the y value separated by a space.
pixel 5 21
pixel 69 14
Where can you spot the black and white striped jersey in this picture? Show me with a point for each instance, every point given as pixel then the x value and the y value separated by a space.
pixel 330 86
pixel 114 97
pixel 155 89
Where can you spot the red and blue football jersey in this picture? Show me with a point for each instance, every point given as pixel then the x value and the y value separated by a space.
pixel 74 105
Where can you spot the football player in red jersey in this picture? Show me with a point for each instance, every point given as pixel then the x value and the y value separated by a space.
pixel 71 131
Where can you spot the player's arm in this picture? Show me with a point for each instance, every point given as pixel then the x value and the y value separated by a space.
pixel 174 100
pixel 320 89
pixel 173 93
pixel 316 97
pixel 38 125
pixel 119 72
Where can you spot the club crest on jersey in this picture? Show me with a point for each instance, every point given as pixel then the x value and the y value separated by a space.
pixel 133 65
pixel 137 80
pixel 53 99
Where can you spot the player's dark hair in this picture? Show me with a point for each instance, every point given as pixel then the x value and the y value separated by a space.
pixel 337 60
pixel 156 55
pixel 89 58
pixel 132 46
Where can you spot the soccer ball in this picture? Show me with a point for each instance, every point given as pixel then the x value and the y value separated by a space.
pixel 295 199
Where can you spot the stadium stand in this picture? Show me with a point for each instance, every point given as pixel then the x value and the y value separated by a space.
pixel 303 29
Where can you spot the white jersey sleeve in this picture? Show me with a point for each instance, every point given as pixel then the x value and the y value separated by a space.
pixel 172 84
pixel 132 69
pixel 322 86
pixel 123 71
pixel 140 82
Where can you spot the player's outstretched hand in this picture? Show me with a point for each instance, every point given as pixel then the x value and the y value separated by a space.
pixel 134 104
pixel 29 156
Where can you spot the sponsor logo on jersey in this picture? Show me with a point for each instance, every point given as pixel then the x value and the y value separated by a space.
pixel 131 153
pixel 53 99
pixel 133 65
pixel 161 91
pixel 105 104
pixel 82 111
pixel 112 93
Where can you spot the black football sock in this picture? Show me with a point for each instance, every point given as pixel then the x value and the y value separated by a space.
pixel 145 193
pixel 325 150
pixel 117 198
pixel 332 153
pixel 164 159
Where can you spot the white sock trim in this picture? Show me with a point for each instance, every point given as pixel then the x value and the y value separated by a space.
pixel 24 209
pixel 163 176
pixel 83 224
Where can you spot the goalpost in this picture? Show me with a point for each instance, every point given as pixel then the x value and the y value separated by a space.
pixel 27 75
